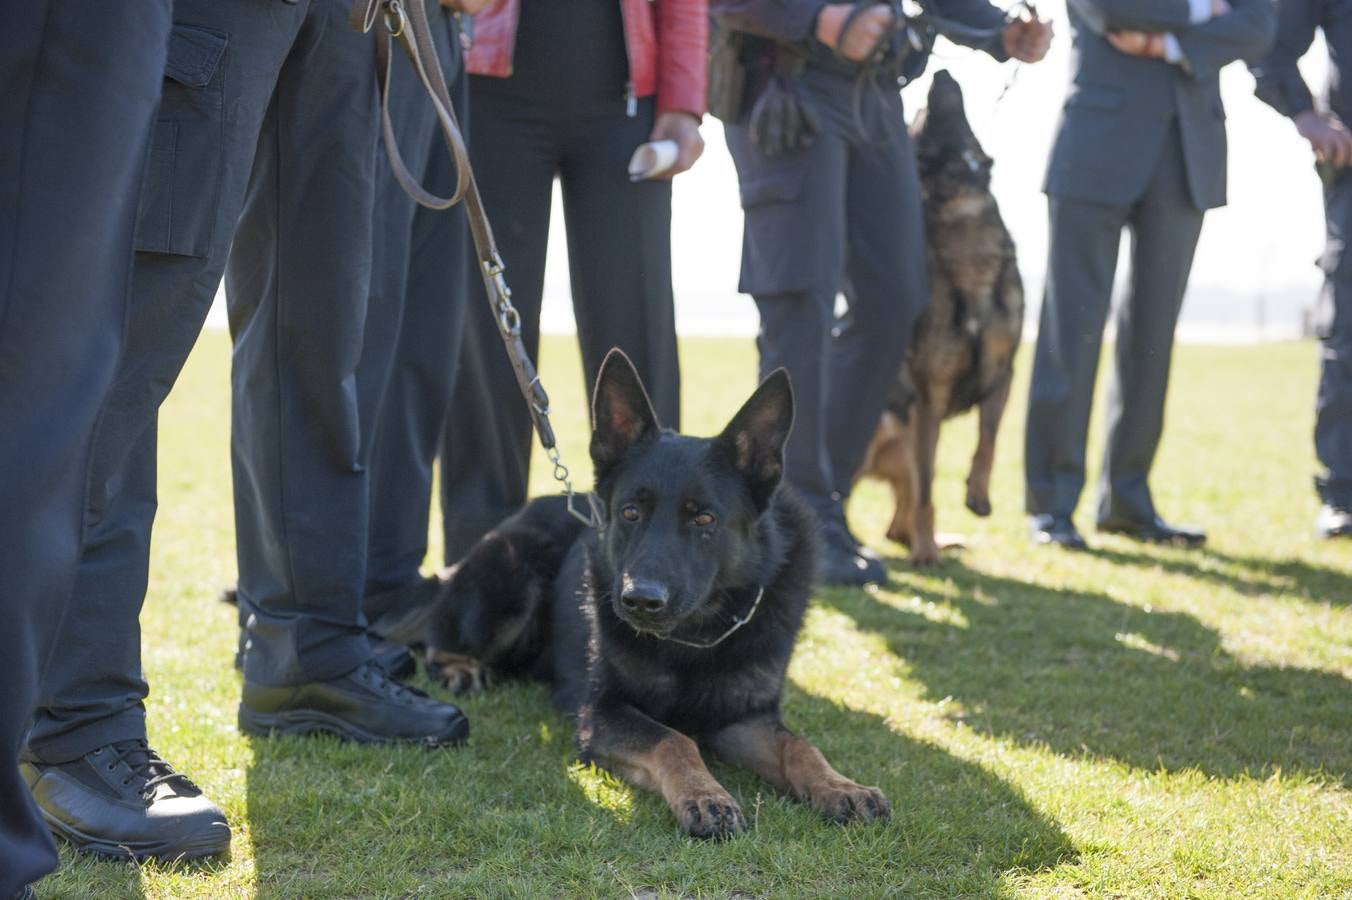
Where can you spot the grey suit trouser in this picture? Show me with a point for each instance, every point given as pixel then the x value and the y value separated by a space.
pixel 841 215
pixel 79 81
pixel 1333 403
pixel 418 296
pixel 268 120
pixel 1164 227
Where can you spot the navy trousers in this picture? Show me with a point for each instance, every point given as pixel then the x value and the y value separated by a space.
pixel 1083 248
pixel 619 261
pixel 1333 403
pixel 79 81
pixel 413 325
pixel 845 215
pixel 252 88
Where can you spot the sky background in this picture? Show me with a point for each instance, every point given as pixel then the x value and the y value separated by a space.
pixel 1254 275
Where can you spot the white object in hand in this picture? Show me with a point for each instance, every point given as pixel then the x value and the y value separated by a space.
pixel 652 158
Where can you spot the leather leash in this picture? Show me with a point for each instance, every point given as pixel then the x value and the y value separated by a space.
pixel 409 26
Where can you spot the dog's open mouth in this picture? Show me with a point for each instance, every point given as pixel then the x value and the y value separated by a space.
pixel 652 629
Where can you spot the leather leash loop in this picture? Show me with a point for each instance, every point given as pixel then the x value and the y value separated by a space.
pixel 409 26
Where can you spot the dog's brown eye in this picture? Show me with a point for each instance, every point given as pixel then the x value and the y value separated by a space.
pixel 630 513
pixel 704 519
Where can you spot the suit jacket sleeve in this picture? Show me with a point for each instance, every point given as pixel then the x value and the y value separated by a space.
pixel 1278 80
pixel 783 20
pixel 1245 32
pixel 682 55
pixel 1103 16
pixel 977 14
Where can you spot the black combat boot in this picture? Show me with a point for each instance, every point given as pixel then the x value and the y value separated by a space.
pixel 123 801
pixel 366 705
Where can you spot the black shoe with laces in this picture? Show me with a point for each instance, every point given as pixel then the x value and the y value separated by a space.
pixel 123 801
pixel 366 706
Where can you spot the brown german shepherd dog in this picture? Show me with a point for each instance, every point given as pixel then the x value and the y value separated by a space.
pixel 667 633
pixel 962 351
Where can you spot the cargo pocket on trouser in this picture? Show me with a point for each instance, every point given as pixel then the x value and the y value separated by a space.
pixel 181 192
pixel 1332 317
pixel 780 252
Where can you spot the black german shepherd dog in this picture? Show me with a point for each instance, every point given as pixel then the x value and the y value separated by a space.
pixel 670 626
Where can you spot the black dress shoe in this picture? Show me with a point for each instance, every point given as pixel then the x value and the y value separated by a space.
pixel 366 706
pixel 845 560
pixel 843 564
pixel 1156 531
pixel 1047 529
pixel 1333 522
pixel 123 801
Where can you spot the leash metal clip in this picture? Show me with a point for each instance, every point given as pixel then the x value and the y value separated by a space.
pixel 394 15
pixel 592 516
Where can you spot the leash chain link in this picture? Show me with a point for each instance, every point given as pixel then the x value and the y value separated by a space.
pixel 509 323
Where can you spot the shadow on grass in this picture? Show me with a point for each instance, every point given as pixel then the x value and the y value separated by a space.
pixel 1081 673
pixel 81 875
pixel 326 819
pixel 1246 575
pixel 84 875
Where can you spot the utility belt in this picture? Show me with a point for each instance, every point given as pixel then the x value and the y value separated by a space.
pixel 758 80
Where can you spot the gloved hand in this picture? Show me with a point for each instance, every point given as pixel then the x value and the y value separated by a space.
pixel 781 119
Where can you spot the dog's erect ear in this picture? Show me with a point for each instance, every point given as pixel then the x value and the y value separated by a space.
pixel 754 440
pixel 622 414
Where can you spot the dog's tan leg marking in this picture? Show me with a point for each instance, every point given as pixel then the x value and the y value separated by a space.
pixel 890 458
pixel 979 479
pixel 794 766
pixel 651 756
pixel 460 673
pixel 926 415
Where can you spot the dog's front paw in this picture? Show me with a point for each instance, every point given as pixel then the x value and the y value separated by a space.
pixel 710 815
pixel 842 801
pixel 979 503
pixel 462 674
pixel 900 535
pixel 925 552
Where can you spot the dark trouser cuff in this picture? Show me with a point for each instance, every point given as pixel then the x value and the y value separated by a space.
pixel 127 725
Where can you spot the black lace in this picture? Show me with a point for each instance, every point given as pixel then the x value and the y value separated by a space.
pixel 374 674
pixel 145 764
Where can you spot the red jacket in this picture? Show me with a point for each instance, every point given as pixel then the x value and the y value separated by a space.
pixel 667 41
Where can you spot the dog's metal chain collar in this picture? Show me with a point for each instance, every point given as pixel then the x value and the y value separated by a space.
pixel 737 622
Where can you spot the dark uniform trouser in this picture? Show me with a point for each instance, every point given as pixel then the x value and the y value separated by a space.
pixel 292 88
pixel 413 326
pixel 619 259
pixel 1083 249
pixel 844 213
pixel 78 87
pixel 1333 404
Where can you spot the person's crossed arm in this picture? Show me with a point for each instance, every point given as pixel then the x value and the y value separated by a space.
pixel 1220 32
pixel 1026 40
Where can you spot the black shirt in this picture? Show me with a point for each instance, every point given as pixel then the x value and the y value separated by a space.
pixel 569 55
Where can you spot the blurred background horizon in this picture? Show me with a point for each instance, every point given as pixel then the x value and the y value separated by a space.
pixel 1254 278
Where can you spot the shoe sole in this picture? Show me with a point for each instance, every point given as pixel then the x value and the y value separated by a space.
pixel 1175 541
pixel 308 722
pixel 212 842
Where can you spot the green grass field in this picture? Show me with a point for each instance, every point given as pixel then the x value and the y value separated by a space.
pixel 1135 722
